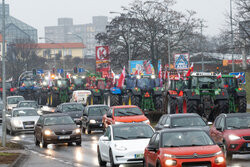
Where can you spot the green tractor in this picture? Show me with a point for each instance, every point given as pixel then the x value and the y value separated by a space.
pixel 78 82
pixel 205 96
pixel 237 95
pixel 59 92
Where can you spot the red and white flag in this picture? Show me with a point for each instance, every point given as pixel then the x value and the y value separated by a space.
pixel 122 78
pixel 191 69
pixel 160 74
pixel 113 76
pixel 136 72
pixel 219 76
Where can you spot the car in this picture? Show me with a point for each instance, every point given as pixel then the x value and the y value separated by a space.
pixel 56 128
pixel 1 111
pixel 183 147
pixel 124 114
pixel 181 120
pixel 123 144
pixel 28 103
pixel 233 130
pixel 80 96
pixel 75 110
pixel 21 120
pixel 92 118
pixel 12 101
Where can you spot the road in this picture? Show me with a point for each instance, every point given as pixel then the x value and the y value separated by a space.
pixel 86 154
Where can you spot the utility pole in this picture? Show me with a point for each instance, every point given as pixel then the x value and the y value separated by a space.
pixel 3 79
pixel 232 34
pixel 201 45
pixel 169 51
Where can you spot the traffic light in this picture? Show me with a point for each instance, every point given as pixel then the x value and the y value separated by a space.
pixel 75 70
pixel 34 71
pixel 53 70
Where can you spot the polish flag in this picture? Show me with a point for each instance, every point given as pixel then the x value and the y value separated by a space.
pixel 160 74
pixel 122 78
pixel 136 72
pixel 219 76
pixel 191 69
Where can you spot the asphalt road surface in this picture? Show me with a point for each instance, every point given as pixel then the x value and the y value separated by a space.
pixel 86 154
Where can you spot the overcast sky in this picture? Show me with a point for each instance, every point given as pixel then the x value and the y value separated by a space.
pixel 41 13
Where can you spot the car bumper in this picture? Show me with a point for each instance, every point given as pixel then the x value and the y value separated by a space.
pixel 22 129
pixel 239 147
pixel 62 139
pixel 128 157
pixel 96 126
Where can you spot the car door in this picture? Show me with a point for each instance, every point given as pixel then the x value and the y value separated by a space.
pixel 105 145
pixel 85 117
pixel 152 153
pixel 39 128
pixel 212 131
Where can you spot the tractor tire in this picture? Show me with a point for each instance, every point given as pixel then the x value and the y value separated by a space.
pixel 170 105
pixel 223 107
pixel 114 100
pixel 158 102
pixel 135 100
pixel 189 106
pixel 55 100
pixel 242 104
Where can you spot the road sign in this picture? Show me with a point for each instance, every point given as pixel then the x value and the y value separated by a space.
pixel 59 71
pixel 81 70
pixel 181 61
pixel 40 71
pixel 241 76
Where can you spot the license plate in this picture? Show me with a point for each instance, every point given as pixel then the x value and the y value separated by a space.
pixel 139 155
pixel 64 137
pixel 248 145
pixel 28 126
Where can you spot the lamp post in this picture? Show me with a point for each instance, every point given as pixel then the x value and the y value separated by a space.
pixel 232 34
pixel 78 36
pixel 128 41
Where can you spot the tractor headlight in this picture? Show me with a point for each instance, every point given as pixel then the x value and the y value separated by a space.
pixel 138 77
pixel 153 76
pixel 83 77
pixel 92 121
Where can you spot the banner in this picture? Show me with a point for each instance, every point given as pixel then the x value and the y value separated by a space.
pixel 181 61
pixel 143 67
pixel 241 76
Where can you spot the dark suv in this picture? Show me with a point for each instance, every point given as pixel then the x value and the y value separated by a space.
pixel 92 118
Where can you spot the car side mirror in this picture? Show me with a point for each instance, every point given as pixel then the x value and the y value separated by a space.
pixel 104 138
pixel 166 126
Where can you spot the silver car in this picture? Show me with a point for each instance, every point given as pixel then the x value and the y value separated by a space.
pixel 21 120
pixel 12 101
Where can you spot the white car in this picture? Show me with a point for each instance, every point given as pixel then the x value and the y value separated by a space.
pixel 21 120
pixel 124 143
pixel 12 101
pixel 80 96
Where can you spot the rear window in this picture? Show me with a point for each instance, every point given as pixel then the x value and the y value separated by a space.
pixel 127 111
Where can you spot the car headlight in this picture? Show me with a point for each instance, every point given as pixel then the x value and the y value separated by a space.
pixel 233 137
pixel 146 122
pixel 17 123
pixel 120 148
pixel 118 122
pixel 48 132
pixel 170 162
pixel 219 160
pixel 77 131
pixel 92 121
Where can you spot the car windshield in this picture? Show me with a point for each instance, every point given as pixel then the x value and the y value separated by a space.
pixel 28 83
pixel 238 122
pixel 28 104
pixel 72 107
pixel 127 111
pixel 15 100
pixel 98 111
pixel 186 139
pixel 78 81
pixel 132 132
pixel 62 83
pixel 59 120
pixel 187 121
pixel 24 113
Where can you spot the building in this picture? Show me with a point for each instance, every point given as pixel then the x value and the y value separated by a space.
pixel 67 32
pixel 16 29
pixel 60 50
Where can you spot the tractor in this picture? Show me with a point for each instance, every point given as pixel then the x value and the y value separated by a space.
pixel 204 96
pixel 237 95
pixel 59 92
pixel 78 82
pixel 29 89
pixel 44 92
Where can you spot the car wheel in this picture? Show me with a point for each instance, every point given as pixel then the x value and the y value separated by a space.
pixel 227 154
pixel 44 143
pixel 112 160
pixel 100 161
pixel 36 141
pixel 158 164
pixel 78 143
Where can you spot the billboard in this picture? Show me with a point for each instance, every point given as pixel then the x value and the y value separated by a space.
pixel 102 60
pixel 241 76
pixel 143 67
pixel 181 61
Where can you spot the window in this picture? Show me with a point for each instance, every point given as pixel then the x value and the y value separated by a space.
pixel 222 123
pixel 167 121
pixel 164 120
pixel 152 140
pixel 108 133
pixel 69 52
pixel 40 120
pixel 217 122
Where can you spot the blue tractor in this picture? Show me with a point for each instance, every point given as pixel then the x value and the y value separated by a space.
pixel 29 89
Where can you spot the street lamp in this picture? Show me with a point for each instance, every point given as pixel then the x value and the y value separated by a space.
pixel 78 36
pixel 128 41
pixel 232 35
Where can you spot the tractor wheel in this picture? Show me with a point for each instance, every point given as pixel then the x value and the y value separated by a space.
pixel 55 100
pixel 96 100
pixel 189 106
pixel 135 100
pixel 242 104
pixel 171 105
pixel 158 102
pixel 114 100
pixel 223 107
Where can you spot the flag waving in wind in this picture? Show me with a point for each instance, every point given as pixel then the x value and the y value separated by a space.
pixel 191 69
pixel 122 78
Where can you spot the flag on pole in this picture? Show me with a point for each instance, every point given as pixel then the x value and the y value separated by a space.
pixel 122 78
pixel 219 76
pixel 191 69
pixel 113 76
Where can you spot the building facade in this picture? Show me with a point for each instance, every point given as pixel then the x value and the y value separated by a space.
pixel 67 32
pixel 16 29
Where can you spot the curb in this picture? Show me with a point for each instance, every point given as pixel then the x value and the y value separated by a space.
pixel 22 157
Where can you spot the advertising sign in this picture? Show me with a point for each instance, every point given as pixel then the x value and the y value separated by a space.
pixel 241 76
pixel 181 61
pixel 102 53
pixel 143 67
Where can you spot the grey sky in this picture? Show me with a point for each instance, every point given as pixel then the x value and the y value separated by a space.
pixel 41 13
